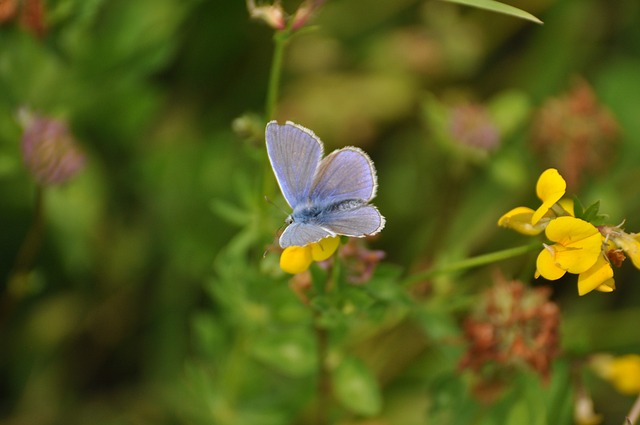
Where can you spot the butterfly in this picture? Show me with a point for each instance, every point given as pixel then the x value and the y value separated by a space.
pixel 329 196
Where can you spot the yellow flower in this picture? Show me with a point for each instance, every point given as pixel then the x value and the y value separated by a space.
pixel 598 277
pixel 623 371
pixel 629 243
pixel 519 219
pixel 297 259
pixel 550 189
pixel 577 248
pixel 567 205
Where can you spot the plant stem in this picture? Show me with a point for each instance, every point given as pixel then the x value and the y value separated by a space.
pixel 634 413
pixel 323 386
pixel 280 39
pixel 468 263
pixel 31 244
pixel 17 282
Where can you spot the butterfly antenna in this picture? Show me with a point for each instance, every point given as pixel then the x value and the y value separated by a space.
pixel 275 238
pixel 269 201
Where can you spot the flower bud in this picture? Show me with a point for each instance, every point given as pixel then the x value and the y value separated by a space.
pixel 272 15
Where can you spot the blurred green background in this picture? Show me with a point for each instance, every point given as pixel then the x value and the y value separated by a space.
pixel 150 301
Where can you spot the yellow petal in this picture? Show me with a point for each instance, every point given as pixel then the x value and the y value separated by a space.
pixel 601 274
pixel 607 286
pixel 519 219
pixel 578 246
pixel 550 188
pixel 625 374
pixel 295 259
pixel 324 248
pixel 546 266
pixel 622 371
pixel 567 205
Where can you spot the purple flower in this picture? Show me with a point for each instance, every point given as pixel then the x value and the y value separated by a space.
pixel 471 125
pixel 49 149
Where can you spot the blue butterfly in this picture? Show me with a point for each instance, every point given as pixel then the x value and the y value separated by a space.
pixel 329 196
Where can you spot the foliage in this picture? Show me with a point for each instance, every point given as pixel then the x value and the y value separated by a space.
pixel 137 291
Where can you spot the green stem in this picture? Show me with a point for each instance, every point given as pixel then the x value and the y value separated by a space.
pixel 32 242
pixel 468 263
pixel 17 283
pixel 280 39
pixel 323 387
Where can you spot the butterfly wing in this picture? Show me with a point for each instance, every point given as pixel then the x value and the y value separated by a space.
pixel 301 234
pixel 344 174
pixel 358 222
pixel 294 153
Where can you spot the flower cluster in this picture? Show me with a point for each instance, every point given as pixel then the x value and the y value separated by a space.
pixel 577 245
pixel 576 133
pixel 275 16
pixel 471 126
pixel 360 262
pixel 32 15
pixel 49 150
pixel 513 325
pixel 297 259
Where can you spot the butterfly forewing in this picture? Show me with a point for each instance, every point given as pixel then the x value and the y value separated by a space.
pixel 294 153
pixel 344 174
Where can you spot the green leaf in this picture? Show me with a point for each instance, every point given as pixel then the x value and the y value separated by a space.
pixel 290 352
pixel 592 211
pixel 578 208
pixel 498 7
pixel 356 388
pixel 438 323
pixel 509 110
pixel 229 212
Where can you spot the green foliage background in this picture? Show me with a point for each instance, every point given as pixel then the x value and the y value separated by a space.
pixel 150 301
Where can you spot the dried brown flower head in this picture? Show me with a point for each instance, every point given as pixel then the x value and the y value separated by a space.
pixel 514 326
pixel 8 9
pixel 575 134
pixel 361 262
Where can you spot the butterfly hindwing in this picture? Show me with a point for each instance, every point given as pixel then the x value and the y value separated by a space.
pixel 344 174
pixel 362 221
pixel 301 234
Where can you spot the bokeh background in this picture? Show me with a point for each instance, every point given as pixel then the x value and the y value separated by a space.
pixel 149 300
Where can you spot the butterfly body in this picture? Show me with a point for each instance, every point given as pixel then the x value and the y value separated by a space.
pixel 329 196
pixel 320 214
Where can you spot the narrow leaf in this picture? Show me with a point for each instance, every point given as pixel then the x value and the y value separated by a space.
pixel 498 7
pixel 592 211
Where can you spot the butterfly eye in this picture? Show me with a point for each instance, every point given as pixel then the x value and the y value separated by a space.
pixel 288 220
